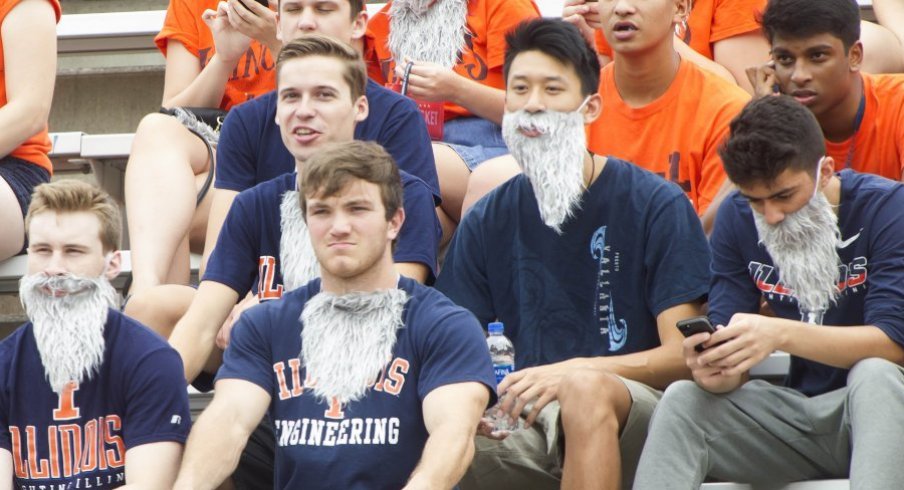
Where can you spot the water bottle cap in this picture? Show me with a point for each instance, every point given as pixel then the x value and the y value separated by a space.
pixel 495 328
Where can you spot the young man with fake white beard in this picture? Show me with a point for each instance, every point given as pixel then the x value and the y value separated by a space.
pixel 89 398
pixel 370 379
pixel 826 251
pixel 589 261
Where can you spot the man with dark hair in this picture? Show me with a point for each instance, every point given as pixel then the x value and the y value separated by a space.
pixel 826 251
pixel 816 59
pixel 589 261
pixel 89 398
pixel 370 379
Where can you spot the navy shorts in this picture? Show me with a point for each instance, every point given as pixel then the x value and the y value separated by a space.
pixel 22 177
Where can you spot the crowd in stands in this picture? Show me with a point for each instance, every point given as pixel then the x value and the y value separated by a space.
pixel 368 193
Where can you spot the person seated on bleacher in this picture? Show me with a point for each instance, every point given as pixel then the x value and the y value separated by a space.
pixel 89 398
pixel 588 261
pixel 890 14
pixel 816 58
pixel 251 149
pixel 722 37
pixel 826 251
pixel 27 74
pixel 370 379
pixel 449 52
pixel 217 55
pixel 659 111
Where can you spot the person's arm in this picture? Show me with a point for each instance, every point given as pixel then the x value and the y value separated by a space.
pixel 29 65
pixel 218 437
pixel 701 61
pixel 194 336
pixel 737 53
pixel 221 202
pixel 451 413
pixel 152 466
pixel 185 83
pixel 431 82
pixel 6 470
pixel 414 270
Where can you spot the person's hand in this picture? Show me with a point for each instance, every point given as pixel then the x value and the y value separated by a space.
pixel 255 21
pixel 428 81
pixel 226 329
pixel 537 385
pixel 230 44
pixel 748 339
pixel 710 378
pixel 486 428
pixel 763 79
pixel 585 16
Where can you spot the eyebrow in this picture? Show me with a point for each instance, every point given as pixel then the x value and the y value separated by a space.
pixel 771 196
pixel 550 78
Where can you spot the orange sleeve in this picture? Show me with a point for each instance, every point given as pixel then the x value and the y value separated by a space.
pixel 376 53
pixel 502 17
pixel 181 24
pixel 712 173
pixel 735 17
pixel 602 46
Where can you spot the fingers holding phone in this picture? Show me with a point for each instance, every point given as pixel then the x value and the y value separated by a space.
pixel 254 19
pixel 698 333
pixel 763 80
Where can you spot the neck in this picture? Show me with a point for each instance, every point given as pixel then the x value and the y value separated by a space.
pixel 593 167
pixel 381 276
pixel 641 78
pixel 838 122
pixel 832 191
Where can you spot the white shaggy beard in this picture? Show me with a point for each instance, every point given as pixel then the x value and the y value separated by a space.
pixel 296 254
pixel 803 248
pixel 553 162
pixel 347 340
pixel 435 34
pixel 68 329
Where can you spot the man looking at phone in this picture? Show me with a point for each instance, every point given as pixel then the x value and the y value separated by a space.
pixel 816 58
pixel 826 251
pixel 589 261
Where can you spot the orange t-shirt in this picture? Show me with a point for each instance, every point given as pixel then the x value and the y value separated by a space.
pixel 710 21
pixel 878 146
pixel 488 22
pixel 36 148
pixel 677 135
pixel 254 74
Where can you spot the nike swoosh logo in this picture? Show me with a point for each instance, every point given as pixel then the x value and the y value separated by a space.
pixel 845 243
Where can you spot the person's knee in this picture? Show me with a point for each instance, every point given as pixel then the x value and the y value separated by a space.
pixel 878 373
pixel 680 399
pixel 157 127
pixel 155 309
pixel 488 176
pixel 594 398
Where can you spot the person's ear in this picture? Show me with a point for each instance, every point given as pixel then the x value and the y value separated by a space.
pixel 359 25
pixel 395 223
pixel 593 108
pixel 682 11
pixel 826 171
pixel 362 109
pixel 855 56
pixel 113 266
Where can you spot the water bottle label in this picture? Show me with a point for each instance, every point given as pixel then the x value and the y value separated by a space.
pixel 502 370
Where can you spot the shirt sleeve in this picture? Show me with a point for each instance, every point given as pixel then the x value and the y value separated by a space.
pixel 731 291
pixel 248 356
pixel 181 24
pixel 463 277
pixel 234 259
pixel 677 256
pixel 884 303
pixel 504 15
pixel 732 100
pixel 156 401
pixel 404 136
pixel 455 351
pixel 421 232
pixel 236 161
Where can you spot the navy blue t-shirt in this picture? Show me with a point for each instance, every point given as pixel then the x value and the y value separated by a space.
pixel 872 267
pixel 246 256
pixel 251 149
pixel 635 249
pixel 80 437
pixel 376 442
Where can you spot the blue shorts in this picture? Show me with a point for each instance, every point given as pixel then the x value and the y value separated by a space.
pixel 22 177
pixel 475 139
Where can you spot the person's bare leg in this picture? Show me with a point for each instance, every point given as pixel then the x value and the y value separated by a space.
pixel 882 50
pixel 453 182
pixel 594 407
pixel 13 236
pixel 160 194
pixel 488 176
pixel 161 307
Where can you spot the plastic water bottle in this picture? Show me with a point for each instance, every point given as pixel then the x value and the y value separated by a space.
pixel 503 354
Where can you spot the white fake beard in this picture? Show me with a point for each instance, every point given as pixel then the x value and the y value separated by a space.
pixel 68 329
pixel 296 254
pixel 420 33
pixel 552 162
pixel 347 340
pixel 803 247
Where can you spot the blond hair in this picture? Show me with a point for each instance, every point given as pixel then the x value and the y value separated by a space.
pixel 70 196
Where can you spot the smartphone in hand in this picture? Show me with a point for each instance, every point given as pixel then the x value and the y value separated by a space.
pixel 695 325
pixel 262 2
